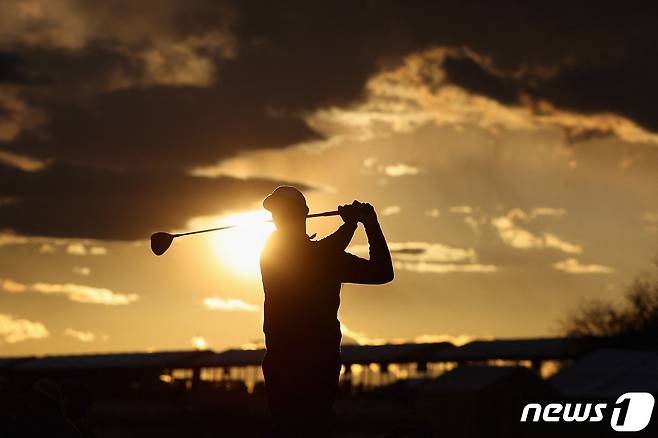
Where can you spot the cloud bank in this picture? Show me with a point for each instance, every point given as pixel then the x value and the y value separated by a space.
pixel 434 258
pixel 229 305
pixel 573 266
pixel 74 292
pixel 126 98
pixel 13 330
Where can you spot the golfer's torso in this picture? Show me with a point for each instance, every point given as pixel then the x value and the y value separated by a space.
pixel 302 296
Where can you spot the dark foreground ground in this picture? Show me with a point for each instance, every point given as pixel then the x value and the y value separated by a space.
pixel 408 409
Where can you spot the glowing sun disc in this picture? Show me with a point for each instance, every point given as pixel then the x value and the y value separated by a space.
pixel 240 248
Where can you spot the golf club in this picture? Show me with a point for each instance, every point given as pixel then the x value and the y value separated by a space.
pixel 161 241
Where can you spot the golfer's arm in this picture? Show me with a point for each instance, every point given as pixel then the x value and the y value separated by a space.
pixel 377 270
pixel 342 237
pixel 380 257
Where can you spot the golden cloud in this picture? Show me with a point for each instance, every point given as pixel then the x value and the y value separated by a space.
pixel 22 162
pixel 517 237
pixel 400 169
pixel 81 336
pixel 445 268
pixel 435 258
pixel 8 238
pixel 418 92
pixel 547 211
pixel 12 286
pixel 150 35
pixel 552 241
pixel 229 305
pixel 85 294
pixel 461 209
pixel 81 270
pixel 13 330
pixel 573 266
pixel 363 339
pixel 81 249
pixel 391 210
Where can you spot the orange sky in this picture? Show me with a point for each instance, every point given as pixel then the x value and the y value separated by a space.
pixel 502 214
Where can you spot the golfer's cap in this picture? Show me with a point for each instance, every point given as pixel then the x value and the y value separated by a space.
pixel 284 198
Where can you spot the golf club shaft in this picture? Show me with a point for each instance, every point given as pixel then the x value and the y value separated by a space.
pixel 324 213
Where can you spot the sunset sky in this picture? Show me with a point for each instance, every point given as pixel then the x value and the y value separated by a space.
pixel 511 152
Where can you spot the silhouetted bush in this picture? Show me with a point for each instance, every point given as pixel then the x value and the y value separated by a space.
pixel 632 324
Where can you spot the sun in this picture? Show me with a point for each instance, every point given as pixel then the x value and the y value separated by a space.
pixel 240 248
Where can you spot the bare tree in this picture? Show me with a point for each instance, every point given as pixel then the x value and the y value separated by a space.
pixel 634 323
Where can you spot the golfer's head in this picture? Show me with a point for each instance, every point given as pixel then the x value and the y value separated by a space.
pixel 288 207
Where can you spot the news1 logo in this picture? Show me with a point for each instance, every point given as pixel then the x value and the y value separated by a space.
pixel 631 412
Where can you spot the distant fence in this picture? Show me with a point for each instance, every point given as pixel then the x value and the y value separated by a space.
pixel 364 366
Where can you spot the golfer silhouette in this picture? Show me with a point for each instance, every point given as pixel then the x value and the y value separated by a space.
pixel 302 280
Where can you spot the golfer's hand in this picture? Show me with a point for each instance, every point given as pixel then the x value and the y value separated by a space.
pixel 367 214
pixel 350 213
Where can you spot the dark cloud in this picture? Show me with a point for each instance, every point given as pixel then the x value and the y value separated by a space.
pixel 412 251
pixel 11 68
pixel 147 91
pixel 468 74
pixel 288 62
pixel 162 128
pixel 75 201
pixel 112 103
pixel 627 86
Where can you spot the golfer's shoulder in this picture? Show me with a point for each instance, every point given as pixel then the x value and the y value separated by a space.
pixel 273 237
pixel 270 245
pixel 325 245
pixel 330 252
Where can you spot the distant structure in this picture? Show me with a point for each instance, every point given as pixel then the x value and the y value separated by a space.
pixel 607 373
pixel 402 390
pixel 365 367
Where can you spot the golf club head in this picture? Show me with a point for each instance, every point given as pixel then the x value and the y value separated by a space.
pixel 160 242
